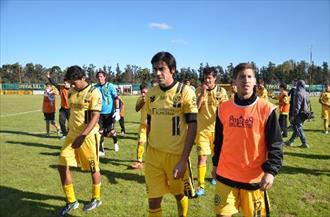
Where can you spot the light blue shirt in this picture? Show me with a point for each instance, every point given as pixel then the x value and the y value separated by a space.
pixel 109 94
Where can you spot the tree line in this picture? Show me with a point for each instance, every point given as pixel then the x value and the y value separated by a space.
pixel 271 74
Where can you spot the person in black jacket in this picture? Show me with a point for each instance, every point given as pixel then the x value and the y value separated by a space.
pixel 299 107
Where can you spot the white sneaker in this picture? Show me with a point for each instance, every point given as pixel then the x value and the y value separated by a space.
pixel 63 137
pixel 101 154
pixel 326 132
pixel 116 147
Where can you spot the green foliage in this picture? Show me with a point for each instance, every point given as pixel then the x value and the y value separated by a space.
pixel 30 184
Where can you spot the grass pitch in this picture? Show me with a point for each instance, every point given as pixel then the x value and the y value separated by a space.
pixel 30 184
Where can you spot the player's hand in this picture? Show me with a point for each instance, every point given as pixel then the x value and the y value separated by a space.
pixel 116 115
pixel 179 170
pixel 266 182
pixel 78 141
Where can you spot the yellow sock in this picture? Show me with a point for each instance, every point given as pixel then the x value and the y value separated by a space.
pixel 155 212
pixel 96 191
pixel 140 151
pixel 201 171
pixel 183 207
pixel 69 193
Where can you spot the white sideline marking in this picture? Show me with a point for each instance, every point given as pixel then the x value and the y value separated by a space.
pixel 19 113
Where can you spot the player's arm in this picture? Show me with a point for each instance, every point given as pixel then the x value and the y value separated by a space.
pixel 179 170
pixel 218 140
pixel 53 82
pixel 139 104
pixel 95 115
pixel 201 93
pixel 274 144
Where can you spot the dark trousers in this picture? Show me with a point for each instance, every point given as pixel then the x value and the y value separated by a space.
pixel 122 124
pixel 64 115
pixel 283 121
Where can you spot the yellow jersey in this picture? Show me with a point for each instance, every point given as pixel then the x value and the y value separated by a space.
pixel 143 111
pixel 207 112
pixel 325 100
pixel 262 93
pixel 82 103
pixel 167 109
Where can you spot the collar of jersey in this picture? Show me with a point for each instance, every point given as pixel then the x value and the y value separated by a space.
pixel 168 87
pixel 212 88
pixel 84 88
pixel 245 102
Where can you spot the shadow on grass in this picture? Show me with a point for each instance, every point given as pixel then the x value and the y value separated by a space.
pixel 116 162
pixel 310 156
pixel 314 130
pixel 50 153
pixel 14 202
pixel 33 144
pixel 132 122
pixel 40 135
pixel 114 176
pixel 296 170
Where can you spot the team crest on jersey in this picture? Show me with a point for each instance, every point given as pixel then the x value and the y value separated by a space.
pixel 243 122
pixel 177 100
pixel 152 98
pixel 218 95
pixel 217 200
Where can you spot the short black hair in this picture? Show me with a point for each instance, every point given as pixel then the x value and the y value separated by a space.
pixel 101 72
pixel 242 66
pixel 283 86
pixel 165 57
pixel 74 73
pixel 143 86
pixel 210 71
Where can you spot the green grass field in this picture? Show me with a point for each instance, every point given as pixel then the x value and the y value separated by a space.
pixel 30 184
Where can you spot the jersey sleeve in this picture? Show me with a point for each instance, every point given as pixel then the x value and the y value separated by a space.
pixel 224 95
pixel 147 104
pixel 95 100
pixel 113 91
pixel 189 101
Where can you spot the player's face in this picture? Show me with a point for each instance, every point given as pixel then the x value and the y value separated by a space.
pixel 245 82
pixel 163 74
pixel 78 84
pixel 144 91
pixel 209 80
pixel 328 88
pixel 101 78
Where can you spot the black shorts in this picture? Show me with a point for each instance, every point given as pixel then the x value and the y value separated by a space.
pixel 106 122
pixel 49 116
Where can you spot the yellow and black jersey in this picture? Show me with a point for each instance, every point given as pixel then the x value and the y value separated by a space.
pixel 143 111
pixel 82 103
pixel 325 100
pixel 262 93
pixel 169 110
pixel 207 112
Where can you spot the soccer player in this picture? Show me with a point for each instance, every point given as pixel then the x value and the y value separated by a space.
pixel 81 144
pixel 64 110
pixel 233 89
pixel 261 90
pixel 248 149
pixel 49 107
pixel 110 110
pixel 142 139
pixel 171 129
pixel 122 115
pixel 325 102
pixel 283 107
pixel 209 95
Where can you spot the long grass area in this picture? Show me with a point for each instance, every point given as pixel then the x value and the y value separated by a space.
pixel 30 184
